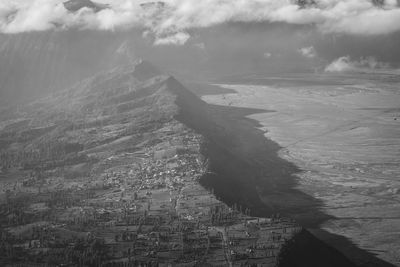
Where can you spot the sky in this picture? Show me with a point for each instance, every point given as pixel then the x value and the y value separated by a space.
pixel 192 38
pixel 175 22
pixel 171 20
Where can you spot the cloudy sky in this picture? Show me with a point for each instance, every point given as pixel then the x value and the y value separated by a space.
pixel 171 20
pixel 207 37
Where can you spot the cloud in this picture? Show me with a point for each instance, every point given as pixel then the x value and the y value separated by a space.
pixel 345 64
pixel 200 46
pixel 308 52
pixel 267 54
pixel 170 22
pixel 340 65
pixel 178 38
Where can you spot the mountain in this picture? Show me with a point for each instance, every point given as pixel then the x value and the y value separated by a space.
pixel 108 173
pixel 33 65
pixel 75 5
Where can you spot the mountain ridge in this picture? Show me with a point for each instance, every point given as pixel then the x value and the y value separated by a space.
pixel 124 136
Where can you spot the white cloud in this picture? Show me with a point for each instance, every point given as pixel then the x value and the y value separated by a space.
pixel 345 64
pixel 170 22
pixel 340 65
pixel 267 54
pixel 200 46
pixel 178 38
pixel 308 52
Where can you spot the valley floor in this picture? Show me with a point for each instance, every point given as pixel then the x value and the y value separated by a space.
pixel 345 137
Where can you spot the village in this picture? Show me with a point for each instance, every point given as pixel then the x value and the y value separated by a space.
pixel 150 212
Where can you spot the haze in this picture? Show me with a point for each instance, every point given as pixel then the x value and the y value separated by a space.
pixel 299 98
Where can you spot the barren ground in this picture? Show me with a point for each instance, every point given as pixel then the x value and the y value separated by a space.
pixel 344 134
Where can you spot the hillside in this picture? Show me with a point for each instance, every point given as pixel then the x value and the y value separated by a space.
pixel 108 173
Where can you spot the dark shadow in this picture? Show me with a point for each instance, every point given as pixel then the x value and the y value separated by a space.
pixel 244 168
pixel 202 89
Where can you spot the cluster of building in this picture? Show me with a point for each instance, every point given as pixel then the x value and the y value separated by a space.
pixel 149 212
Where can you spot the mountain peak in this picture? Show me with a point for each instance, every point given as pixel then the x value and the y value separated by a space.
pixel 121 90
pixel 144 70
pixel 75 5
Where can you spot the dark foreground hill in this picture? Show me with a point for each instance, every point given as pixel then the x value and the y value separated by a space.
pixel 108 173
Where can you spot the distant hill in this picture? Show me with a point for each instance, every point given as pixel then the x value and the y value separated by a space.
pixel 33 65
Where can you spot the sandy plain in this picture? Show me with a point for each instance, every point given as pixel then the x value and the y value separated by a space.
pixel 343 132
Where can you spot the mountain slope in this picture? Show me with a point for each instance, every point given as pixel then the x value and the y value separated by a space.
pixel 108 172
